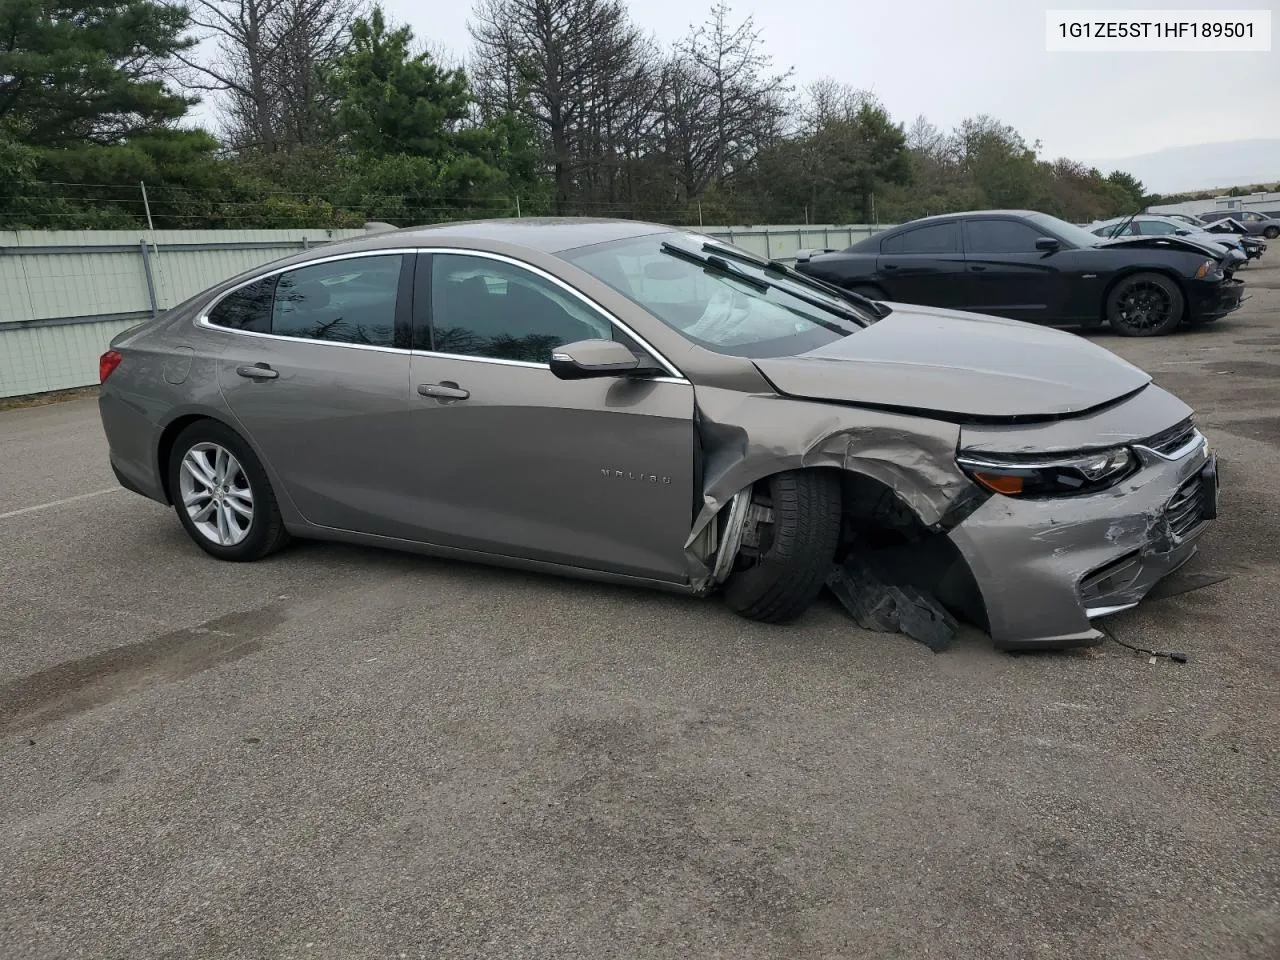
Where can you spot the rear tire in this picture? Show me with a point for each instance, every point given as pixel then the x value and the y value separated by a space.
pixel 797 548
pixel 222 496
pixel 1145 305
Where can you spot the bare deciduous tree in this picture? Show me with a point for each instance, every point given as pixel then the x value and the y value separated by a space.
pixel 267 64
pixel 580 72
pixel 721 103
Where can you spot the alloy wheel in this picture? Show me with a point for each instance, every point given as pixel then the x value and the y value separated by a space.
pixel 1145 305
pixel 216 493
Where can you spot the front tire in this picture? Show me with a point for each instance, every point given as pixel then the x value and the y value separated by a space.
pixel 222 496
pixel 796 549
pixel 1145 305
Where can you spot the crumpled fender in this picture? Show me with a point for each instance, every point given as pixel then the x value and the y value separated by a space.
pixel 746 437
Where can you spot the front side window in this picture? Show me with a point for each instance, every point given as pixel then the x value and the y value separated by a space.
pixel 342 301
pixel 741 316
pixel 999 236
pixel 938 238
pixel 488 308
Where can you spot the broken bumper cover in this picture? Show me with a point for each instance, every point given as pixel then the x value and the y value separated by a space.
pixel 1045 568
pixel 1211 301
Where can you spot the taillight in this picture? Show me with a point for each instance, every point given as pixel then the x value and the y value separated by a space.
pixel 107 364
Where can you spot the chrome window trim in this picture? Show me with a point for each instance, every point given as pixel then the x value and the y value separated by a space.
pixel 572 291
pixel 202 318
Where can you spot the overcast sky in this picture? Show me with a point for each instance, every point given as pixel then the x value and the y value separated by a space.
pixel 950 59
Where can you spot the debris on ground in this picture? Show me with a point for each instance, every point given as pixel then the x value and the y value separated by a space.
pixel 876 603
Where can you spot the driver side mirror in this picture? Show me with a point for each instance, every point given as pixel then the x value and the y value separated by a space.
pixel 1048 244
pixel 596 358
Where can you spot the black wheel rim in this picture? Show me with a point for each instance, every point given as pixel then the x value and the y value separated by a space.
pixel 1145 306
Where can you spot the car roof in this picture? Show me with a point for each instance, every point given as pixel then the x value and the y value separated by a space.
pixel 546 234
pixel 971 214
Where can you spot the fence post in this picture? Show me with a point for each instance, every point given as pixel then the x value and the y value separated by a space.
pixel 146 204
pixel 151 282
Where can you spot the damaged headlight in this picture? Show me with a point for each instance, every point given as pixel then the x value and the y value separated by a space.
pixel 1031 475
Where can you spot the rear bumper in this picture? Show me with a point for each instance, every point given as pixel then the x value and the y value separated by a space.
pixel 1047 568
pixel 131 442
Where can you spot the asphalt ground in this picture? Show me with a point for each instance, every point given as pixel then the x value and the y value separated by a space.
pixel 350 753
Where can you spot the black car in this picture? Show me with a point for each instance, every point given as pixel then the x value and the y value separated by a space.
pixel 1030 266
pixel 1252 220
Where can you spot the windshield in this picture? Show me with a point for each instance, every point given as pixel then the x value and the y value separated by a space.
pixel 1076 236
pixel 729 306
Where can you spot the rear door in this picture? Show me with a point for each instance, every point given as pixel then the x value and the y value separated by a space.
pixel 512 460
pixel 924 265
pixel 316 370
pixel 1009 277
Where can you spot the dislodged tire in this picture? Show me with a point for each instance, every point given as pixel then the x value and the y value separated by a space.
pixel 222 495
pixel 1145 305
pixel 795 550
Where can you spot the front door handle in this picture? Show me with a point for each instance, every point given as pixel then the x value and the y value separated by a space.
pixel 976 268
pixel 446 390
pixel 258 371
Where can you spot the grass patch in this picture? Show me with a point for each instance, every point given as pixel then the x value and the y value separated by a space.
pixel 52 396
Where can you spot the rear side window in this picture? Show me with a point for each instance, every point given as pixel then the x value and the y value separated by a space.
pixel 343 301
pixel 249 308
pixel 1000 236
pixel 1156 228
pixel 937 238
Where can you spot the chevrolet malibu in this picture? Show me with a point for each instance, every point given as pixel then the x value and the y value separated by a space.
pixel 637 403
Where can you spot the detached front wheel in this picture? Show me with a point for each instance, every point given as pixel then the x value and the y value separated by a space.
pixel 789 548
pixel 1145 305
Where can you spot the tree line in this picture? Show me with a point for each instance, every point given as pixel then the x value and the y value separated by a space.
pixel 331 115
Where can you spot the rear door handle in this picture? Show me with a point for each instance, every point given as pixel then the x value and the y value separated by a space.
pixel 258 371
pixel 976 268
pixel 889 266
pixel 446 390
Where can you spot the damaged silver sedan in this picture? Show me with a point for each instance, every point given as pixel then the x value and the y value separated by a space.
pixel 638 403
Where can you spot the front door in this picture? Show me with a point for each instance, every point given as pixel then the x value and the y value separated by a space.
pixel 511 460
pixel 315 373
pixel 1008 276
pixel 924 265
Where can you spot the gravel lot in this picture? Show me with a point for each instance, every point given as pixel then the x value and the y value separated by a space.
pixel 347 753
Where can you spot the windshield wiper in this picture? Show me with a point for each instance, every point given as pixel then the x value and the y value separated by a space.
pixel 717 263
pixel 1122 224
pixel 876 309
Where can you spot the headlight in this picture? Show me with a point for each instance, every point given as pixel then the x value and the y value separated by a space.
pixel 1031 476
pixel 1206 268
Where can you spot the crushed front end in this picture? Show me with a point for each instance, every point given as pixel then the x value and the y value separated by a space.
pixel 1048 563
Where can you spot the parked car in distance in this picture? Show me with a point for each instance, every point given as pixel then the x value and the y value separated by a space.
pixel 1253 221
pixel 638 403
pixel 1239 248
pixel 1030 266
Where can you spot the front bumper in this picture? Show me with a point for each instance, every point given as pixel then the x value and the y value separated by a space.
pixel 1046 568
pixel 1209 301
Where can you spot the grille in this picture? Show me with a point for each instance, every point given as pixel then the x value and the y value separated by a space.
pixel 1185 509
pixel 1171 440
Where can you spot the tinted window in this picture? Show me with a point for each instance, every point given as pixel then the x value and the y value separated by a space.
pixel 249 308
pixel 344 301
pixel 1157 228
pixel 938 238
pixel 1000 236
pixel 487 308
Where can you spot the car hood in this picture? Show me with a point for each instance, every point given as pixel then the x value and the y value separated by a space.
pixel 958 366
pixel 1164 242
